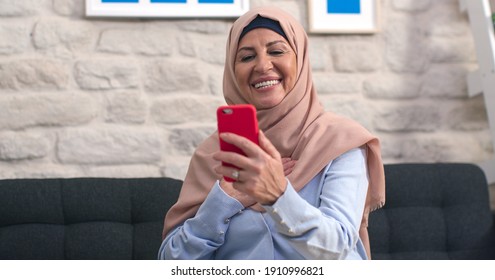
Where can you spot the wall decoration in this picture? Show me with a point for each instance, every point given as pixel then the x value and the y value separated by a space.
pixel 166 8
pixel 343 16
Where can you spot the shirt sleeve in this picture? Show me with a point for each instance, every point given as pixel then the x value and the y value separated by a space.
pixel 199 236
pixel 330 231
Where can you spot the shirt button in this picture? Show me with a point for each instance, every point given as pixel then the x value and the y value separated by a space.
pixel 227 220
pixel 221 232
pixel 291 231
pixel 274 211
pixel 282 222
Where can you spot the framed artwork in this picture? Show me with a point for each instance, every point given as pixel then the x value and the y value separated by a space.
pixel 166 8
pixel 343 16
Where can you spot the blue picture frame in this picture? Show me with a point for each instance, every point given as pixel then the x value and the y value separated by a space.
pixel 167 8
pixel 343 16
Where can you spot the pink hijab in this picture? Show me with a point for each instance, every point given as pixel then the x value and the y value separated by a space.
pixel 298 127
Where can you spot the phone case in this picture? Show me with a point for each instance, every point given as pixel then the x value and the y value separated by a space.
pixel 239 119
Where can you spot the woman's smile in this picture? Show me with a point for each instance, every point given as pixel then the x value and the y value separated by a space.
pixel 266 84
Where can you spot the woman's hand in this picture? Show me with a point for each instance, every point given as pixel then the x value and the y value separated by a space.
pixel 260 173
pixel 243 198
pixel 288 165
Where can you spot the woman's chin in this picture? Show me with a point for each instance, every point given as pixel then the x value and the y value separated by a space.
pixel 267 104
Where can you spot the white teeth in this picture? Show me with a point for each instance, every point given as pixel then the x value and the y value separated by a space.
pixel 266 84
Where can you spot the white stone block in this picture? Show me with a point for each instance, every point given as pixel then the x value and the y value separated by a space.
pixel 185 140
pixel 109 146
pixel 165 76
pixel 126 107
pixel 412 5
pixel 106 74
pixel 406 50
pixel 19 8
pixel 392 86
pixel 59 37
pixel 122 171
pixel 406 118
pixel 147 40
pixel 181 110
pixel 446 81
pixel 21 146
pixel 14 38
pixel 451 49
pixel 33 74
pixel 356 57
pixel 331 83
pixel 46 110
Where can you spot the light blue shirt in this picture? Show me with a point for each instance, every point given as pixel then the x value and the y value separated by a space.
pixel 321 221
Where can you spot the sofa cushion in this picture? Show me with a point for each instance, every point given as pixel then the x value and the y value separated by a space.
pixel 433 211
pixel 84 218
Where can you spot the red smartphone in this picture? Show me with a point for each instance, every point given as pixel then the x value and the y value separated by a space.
pixel 241 120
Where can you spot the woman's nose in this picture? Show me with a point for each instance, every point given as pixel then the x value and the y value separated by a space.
pixel 263 64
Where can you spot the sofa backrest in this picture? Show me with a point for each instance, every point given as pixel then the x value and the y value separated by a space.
pixel 433 211
pixel 84 218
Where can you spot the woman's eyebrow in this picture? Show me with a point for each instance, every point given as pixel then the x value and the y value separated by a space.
pixel 247 48
pixel 276 42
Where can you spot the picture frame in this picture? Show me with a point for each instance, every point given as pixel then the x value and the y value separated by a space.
pixel 343 16
pixel 167 8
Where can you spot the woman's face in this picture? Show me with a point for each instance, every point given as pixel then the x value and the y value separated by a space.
pixel 265 67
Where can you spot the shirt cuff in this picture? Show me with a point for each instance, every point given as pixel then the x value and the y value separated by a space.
pixel 217 210
pixel 293 216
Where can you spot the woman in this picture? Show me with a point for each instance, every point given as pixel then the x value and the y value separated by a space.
pixel 306 191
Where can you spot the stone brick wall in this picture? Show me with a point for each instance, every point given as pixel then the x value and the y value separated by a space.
pixel 133 97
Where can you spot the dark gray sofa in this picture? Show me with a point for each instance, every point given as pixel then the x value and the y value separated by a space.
pixel 84 218
pixel 433 211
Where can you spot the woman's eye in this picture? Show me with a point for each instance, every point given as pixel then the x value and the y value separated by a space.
pixel 277 52
pixel 247 58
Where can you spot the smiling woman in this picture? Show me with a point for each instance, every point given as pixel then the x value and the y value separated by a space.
pixel 305 191
pixel 265 67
